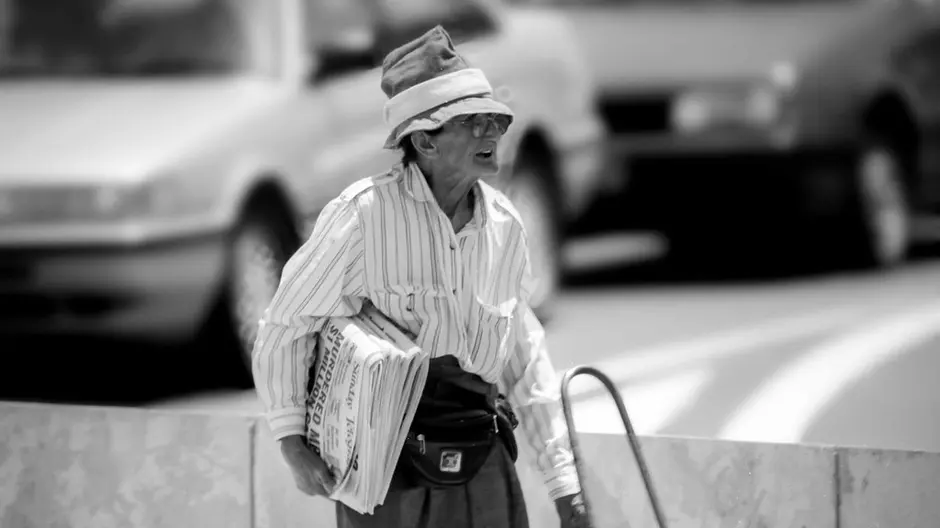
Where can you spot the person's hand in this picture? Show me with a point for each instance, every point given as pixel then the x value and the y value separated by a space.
pixel 572 511
pixel 310 473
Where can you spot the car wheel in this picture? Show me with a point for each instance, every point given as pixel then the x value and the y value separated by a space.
pixel 881 234
pixel 259 249
pixel 530 191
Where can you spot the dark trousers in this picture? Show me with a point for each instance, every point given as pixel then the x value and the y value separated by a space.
pixel 493 499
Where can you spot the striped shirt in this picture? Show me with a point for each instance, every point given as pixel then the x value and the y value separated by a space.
pixel 385 239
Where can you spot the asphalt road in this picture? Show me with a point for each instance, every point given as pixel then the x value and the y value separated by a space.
pixel 833 358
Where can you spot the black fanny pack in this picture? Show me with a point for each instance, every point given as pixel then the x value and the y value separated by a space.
pixel 448 449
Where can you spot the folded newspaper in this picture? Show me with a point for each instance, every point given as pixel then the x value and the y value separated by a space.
pixel 367 381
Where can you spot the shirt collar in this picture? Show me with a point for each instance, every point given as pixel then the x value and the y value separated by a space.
pixel 416 185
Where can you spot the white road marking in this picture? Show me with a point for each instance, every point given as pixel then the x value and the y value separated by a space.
pixel 650 405
pixel 788 403
pixel 653 361
pixel 682 354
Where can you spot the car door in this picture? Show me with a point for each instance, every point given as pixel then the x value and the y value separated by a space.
pixel 917 61
pixel 929 88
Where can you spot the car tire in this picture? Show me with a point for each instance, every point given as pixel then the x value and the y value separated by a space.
pixel 259 247
pixel 531 191
pixel 877 233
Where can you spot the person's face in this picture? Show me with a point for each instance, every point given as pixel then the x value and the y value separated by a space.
pixel 469 145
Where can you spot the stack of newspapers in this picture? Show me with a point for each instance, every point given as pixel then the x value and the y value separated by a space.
pixel 367 381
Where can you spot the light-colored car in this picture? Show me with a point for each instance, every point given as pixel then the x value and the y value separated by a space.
pixel 798 119
pixel 160 160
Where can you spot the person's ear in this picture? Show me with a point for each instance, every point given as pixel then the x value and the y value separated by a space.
pixel 425 144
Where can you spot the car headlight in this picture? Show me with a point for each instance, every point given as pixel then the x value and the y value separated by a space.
pixel 758 105
pixel 89 203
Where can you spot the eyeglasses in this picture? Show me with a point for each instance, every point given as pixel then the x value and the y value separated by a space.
pixel 482 122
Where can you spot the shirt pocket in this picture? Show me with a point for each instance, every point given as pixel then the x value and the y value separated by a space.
pixel 490 329
pixel 409 310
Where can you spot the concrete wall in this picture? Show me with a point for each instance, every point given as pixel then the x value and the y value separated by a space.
pixel 86 467
pixel 76 467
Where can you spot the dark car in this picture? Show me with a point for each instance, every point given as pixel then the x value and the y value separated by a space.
pixel 799 120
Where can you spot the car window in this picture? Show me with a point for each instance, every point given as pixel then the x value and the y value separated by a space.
pixel 404 20
pixel 328 23
pixel 127 38
pixel 469 21
pixel 341 33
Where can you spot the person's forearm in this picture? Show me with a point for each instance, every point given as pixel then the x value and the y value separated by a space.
pixel 283 356
pixel 534 390
pixel 543 428
pixel 322 279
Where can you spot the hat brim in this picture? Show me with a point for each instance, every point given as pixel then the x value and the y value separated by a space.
pixel 436 117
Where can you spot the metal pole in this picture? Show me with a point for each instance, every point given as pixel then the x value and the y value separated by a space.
pixel 631 436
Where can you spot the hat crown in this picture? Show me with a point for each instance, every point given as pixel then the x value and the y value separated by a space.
pixel 431 55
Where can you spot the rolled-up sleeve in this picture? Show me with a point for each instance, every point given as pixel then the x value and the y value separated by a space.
pixel 322 279
pixel 533 388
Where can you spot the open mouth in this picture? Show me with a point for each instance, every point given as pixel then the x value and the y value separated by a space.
pixel 485 154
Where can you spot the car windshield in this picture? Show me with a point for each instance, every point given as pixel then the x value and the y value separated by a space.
pixel 82 38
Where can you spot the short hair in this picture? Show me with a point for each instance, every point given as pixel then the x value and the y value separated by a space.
pixel 408 152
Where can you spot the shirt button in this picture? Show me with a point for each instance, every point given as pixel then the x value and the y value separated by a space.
pixel 453 246
pixel 455 291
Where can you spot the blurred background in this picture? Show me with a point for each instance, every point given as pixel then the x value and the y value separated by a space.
pixel 732 204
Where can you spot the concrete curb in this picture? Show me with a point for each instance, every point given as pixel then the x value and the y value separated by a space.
pixel 96 467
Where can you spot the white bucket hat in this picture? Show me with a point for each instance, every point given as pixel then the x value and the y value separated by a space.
pixel 428 83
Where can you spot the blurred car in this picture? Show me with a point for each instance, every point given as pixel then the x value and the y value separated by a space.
pixel 806 121
pixel 161 160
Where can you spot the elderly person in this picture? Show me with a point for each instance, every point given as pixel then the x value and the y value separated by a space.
pixel 443 254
